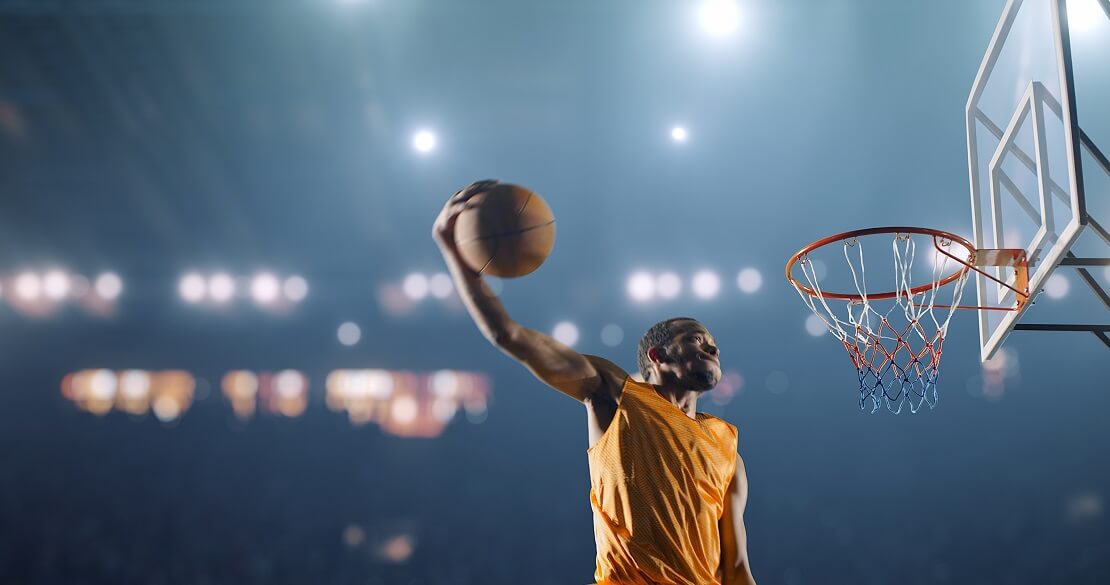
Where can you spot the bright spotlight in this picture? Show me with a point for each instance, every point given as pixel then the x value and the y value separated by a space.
pixel 668 285
pixel 749 280
pixel 295 288
pixel 415 286
pixel 265 288
pixel 706 284
pixel 719 18
pixel 349 333
pixel 55 285
pixel 192 287
pixel 28 286
pixel 1084 15
pixel 424 141
pixel 221 287
pixel 641 286
pixel 566 332
pixel 678 134
pixel 108 285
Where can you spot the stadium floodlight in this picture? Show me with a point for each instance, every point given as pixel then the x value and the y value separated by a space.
pixel 719 18
pixel 424 141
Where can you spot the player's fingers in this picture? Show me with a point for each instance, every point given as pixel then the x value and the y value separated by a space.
pixel 475 188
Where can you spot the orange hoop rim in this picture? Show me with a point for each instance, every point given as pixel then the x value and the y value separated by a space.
pixel 800 255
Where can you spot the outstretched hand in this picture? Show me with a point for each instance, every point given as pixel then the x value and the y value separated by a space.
pixel 444 228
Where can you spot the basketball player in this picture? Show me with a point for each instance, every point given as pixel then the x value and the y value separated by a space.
pixel 668 488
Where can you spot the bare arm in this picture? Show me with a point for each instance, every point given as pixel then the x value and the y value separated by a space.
pixel 556 364
pixel 735 569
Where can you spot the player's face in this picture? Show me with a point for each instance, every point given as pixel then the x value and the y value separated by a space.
pixel 694 358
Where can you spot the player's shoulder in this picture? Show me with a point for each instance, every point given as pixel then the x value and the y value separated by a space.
pixel 612 377
pixel 724 429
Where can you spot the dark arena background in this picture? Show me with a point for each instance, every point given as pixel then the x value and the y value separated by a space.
pixel 232 353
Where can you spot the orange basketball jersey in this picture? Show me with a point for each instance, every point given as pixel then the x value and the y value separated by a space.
pixel 658 483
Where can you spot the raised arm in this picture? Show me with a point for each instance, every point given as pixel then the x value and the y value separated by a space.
pixel 735 569
pixel 574 374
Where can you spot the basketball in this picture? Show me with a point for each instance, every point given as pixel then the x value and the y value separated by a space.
pixel 508 232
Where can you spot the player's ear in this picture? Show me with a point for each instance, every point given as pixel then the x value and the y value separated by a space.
pixel 657 355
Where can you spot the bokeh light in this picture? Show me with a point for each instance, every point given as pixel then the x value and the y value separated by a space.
pixel 440 285
pixel 668 285
pixel 1057 286
pixel 397 549
pixel 353 536
pixel 290 383
pixel 55 285
pixel 265 288
pixel 1084 507
pixel 221 287
pixel 679 134
pixel 706 284
pixel 349 333
pixel 404 410
pixel 102 384
pixel 134 384
pixel 191 287
pixel 108 286
pixel 731 384
pixel 415 286
pixel 166 408
pixel 295 288
pixel 815 326
pixel 445 384
pixel 612 335
pixel 749 280
pixel 78 286
pixel 566 332
pixel 28 286
pixel 996 373
pixel 641 287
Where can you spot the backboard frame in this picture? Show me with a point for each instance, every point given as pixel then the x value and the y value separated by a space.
pixel 1053 244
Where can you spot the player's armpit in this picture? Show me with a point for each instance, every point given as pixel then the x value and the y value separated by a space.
pixel 579 376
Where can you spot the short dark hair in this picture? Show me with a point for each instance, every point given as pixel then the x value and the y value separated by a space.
pixel 659 335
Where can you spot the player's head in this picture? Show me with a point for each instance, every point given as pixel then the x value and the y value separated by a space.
pixel 680 351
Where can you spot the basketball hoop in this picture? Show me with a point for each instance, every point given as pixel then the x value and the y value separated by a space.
pixel 895 337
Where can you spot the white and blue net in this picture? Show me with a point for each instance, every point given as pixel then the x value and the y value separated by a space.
pixel 894 343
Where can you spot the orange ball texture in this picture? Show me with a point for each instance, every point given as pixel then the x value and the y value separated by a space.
pixel 508 232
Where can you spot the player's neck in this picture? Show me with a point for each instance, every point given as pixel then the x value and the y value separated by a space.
pixel 685 400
